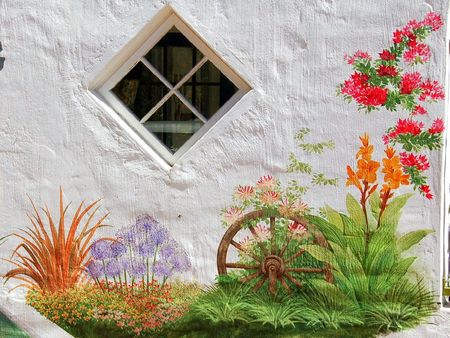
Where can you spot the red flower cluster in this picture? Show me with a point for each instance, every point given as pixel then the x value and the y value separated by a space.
pixel 437 127
pixel 358 55
pixel 358 88
pixel 419 110
pixel 426 191
pixel 431 90
pixel 417 53
pixel 410 82
pixel 406 126
pixel 411 160
pixel 387 71
pixel 431 20
pixel 386 55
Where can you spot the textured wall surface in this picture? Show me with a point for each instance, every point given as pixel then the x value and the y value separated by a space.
pixel 53 133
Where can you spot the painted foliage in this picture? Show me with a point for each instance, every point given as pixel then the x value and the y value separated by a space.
pixel 283 266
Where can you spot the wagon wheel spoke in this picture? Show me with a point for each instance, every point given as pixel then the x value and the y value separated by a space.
pixel 283 249
pixel 295 256
pixel 272 235
pixel 311 270
pixel 240 248
pixel 258 241
pixel 293 280
pixel 285 285
pixel 259 284
pixel 241 266
pixel 251 277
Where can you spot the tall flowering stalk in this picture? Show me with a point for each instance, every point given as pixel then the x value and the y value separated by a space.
pixel 386 82
pixel 365 178
pixel 142 253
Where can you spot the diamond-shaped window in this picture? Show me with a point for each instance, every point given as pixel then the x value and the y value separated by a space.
pixel 173 90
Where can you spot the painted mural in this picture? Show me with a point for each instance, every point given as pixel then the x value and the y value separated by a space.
pixel 284 268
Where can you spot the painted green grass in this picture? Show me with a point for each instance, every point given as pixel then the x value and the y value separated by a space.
pixel 10 330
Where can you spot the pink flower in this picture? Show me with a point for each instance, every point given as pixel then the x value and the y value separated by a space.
pixel 358 55
pixel 300 206
pixel 411 160
pixel 297 229
pixel 246 243
pixel 263 232
pixel 270 197
pixel 417 53
pixel 431 90
pixel 410 81
pixel 426 191
pixel 433 20
pixel 232 215
pixel 244 193
pixel 437 127
pixel 419 110
pixel 266 183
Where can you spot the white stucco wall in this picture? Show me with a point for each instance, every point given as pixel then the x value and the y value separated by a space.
pixel 291 52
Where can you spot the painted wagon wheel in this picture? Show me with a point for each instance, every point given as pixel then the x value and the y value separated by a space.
pixel 272 265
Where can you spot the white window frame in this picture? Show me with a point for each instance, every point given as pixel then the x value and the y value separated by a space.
pixel 135 52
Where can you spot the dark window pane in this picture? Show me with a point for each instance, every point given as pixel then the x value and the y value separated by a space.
pixel 208 90
pixel 140 90
pixel 174 56
pixel 173 124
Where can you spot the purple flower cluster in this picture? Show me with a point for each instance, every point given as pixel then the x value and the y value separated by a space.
pixel 143 250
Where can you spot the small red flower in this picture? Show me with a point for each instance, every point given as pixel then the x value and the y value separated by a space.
pixel 433 20
pixel 437 127
pixel 419 110
pixel 431 90
pixel 358 55
pixel 386 55
pixel 411 160
pixel 387 71
pixel 417 53
pixel 372 96
pixel 426 191
pixel 410 81
pixel 406 126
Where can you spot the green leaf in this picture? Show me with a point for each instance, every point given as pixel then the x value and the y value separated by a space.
pixel 412 238
pixel 296 166
pixel 320 179
pixel 329 230
pixel 355 211
pixel 320 253
pixel 334 218
pixel 351 228
pixel 375 204
pixel 392 213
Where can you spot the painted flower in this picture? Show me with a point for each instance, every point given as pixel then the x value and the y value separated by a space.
pixel 366 150
pixel 417 53
pixel 146 249
pixel 433 20
pixel 437 127
pixel 146 222
pixel 386 55
pixel 266 183
pixel 372 96
pixel 113 268
pixel 159 236
pixel 357 55
pixel 262 232
pixel 297 230
pixel 232 215
pixel 352 179
pixel 426 191
pixel 101 249
pixel 118 249
pixel 431 91
pixel 410 82
pixel 137 269
pixel 411 160
pixel 162 269
pixel 387 71
pixel 245 193
pixel 392 168
pixel 246 243
pixel 95 269
pixel 180 262
pixel 405 126
pixel 419 110
pixel 300 207
pixel 270 197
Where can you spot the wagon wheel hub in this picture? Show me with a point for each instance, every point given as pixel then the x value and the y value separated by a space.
pixel 273 265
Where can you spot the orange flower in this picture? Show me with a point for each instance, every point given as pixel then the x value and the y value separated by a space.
pixel 365 152
pixel 352 178
pixel 392 168
pixel 367 170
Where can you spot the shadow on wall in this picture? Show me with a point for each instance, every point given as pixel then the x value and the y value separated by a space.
pixel 2 59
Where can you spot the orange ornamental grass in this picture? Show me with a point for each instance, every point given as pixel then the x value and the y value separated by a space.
pixel 49 259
